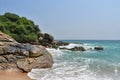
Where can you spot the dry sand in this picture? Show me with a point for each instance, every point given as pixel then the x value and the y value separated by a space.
pixel 13 75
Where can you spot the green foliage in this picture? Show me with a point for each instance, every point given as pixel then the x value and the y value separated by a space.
pixel 25 38
pixel 12 17
pixel 3 19
pixel 20 28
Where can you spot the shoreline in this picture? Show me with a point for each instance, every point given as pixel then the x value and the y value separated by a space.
pixel 12 74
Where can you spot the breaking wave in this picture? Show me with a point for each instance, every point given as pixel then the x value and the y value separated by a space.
pixel 71 65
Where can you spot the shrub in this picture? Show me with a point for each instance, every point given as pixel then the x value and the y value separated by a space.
pixel 20 28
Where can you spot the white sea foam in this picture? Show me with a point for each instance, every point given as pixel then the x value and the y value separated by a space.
pixel 72 45
pixel 80 68
pixel 55 52
pixel 70 71
pixel 62 74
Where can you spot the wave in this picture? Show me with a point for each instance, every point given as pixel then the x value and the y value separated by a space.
pixel 84 69
pixel 76 66
pixel 55 52
pixel 72 45
pixel 72 71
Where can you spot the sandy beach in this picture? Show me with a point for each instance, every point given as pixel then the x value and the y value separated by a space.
pixel 13 75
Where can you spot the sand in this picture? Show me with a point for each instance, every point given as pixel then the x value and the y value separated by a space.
pixel 13 75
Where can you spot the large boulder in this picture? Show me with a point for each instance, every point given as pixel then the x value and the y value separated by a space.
pixel 45 39
pixel 22 56
pixel 37 59
pixel 48 40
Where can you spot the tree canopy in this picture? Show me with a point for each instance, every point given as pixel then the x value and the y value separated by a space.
pixel 20 28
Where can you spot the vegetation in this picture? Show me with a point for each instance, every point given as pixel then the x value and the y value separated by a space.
pixel 20 28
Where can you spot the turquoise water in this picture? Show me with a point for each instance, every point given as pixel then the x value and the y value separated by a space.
pixel 87 65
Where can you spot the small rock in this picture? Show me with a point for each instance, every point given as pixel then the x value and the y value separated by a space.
pixel 98 48
pixel 78 49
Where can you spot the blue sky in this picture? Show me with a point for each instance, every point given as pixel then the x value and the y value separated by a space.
pixel 70 19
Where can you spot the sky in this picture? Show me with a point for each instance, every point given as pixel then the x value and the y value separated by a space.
pixel 70 19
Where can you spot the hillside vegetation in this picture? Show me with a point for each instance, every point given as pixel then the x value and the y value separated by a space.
pixel 20 28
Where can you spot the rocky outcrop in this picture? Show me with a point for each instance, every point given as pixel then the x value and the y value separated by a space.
pixel 22 56
pixel 46 39
pixel 74 48
pixel 98 48
pixel 78 49
pixel 61 43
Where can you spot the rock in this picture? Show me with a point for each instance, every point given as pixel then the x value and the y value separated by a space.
pixel 6 38
pixel 61 43
pixel 44 61
pixel 22 56
pixel 4 50
pixel 45 39
pixel 10 57
pixel 3 59
pixel 64 48
pixel 26 64
pixel 48 37
pixel 74 49
pixel 36 51
pixel 8 65
pixel 78 49
pixel 98 48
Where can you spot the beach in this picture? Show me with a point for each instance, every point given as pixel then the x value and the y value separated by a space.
pixel 13 75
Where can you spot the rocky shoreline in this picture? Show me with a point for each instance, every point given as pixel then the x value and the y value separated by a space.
pixel 24 57
pixel 47 40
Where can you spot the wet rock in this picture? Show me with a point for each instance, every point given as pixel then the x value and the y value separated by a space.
pixel 98 48
pixel 64 48
pixel 61 43
pixel 74 49
pixel 78 49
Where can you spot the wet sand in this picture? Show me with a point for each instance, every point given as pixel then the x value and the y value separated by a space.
pixel 13 75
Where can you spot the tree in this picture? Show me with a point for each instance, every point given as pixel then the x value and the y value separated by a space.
pixel 11 16
pixel 3 19
pixel 20 28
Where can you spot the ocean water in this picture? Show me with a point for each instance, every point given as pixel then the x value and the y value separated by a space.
pixel 87 65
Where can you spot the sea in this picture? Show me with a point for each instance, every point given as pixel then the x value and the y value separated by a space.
pixel 83 65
